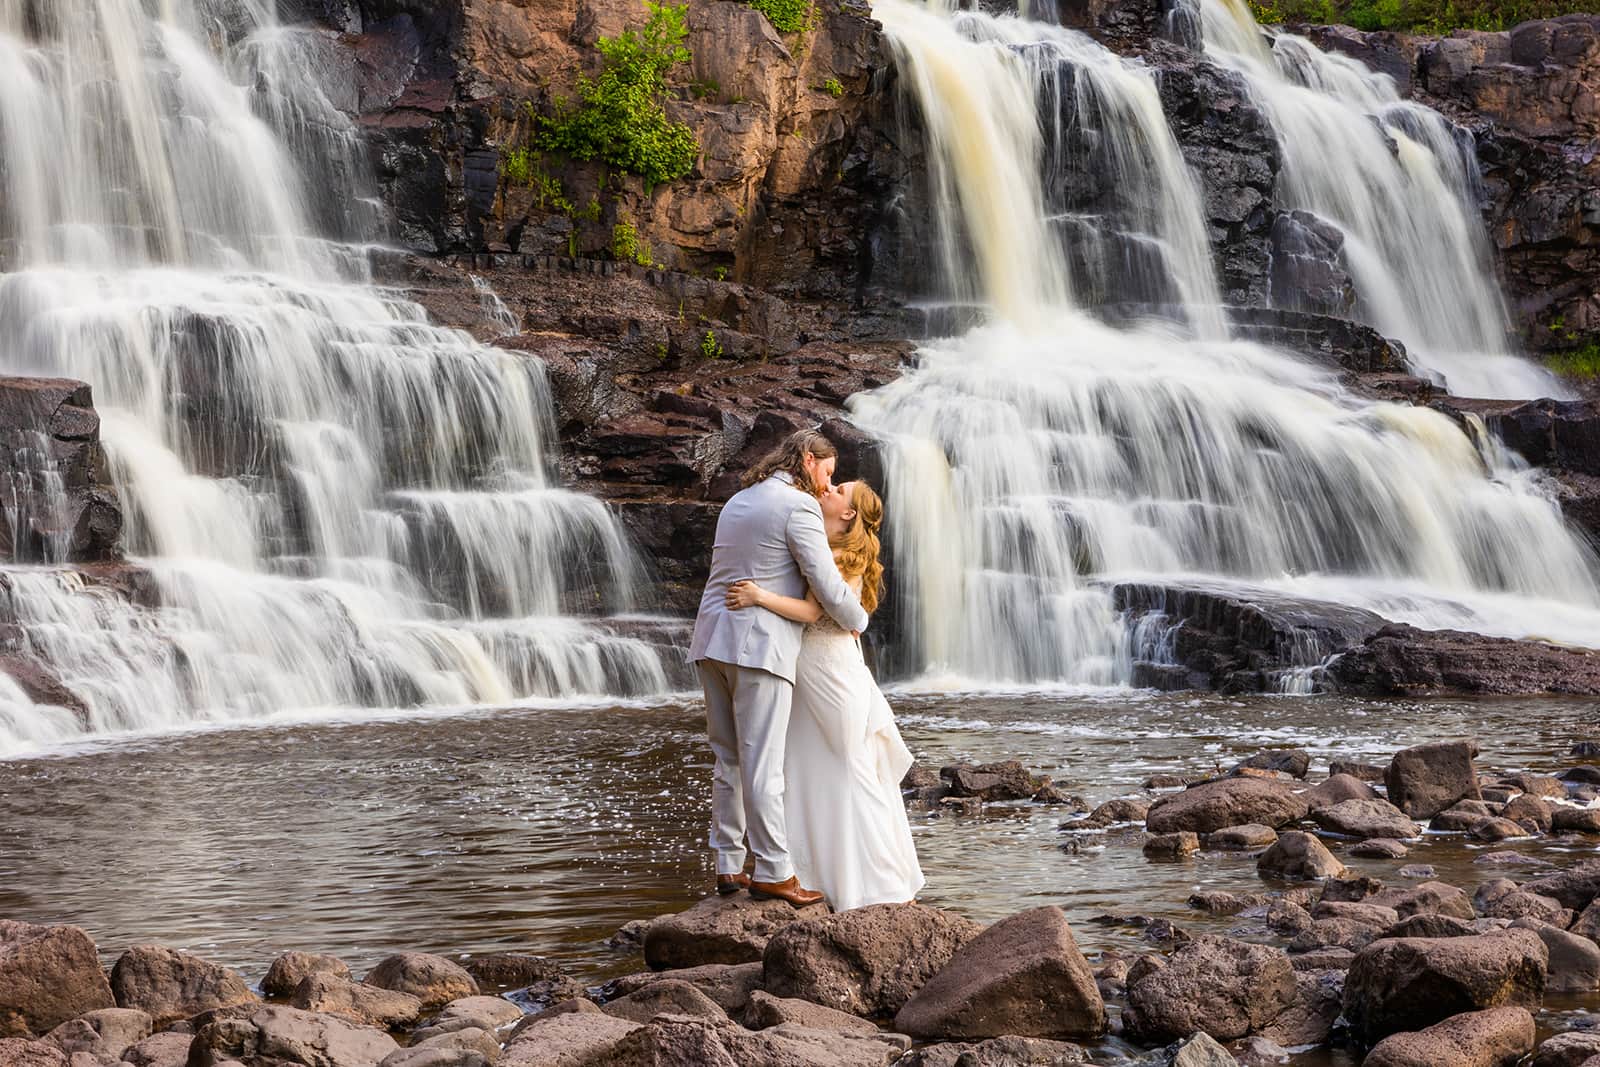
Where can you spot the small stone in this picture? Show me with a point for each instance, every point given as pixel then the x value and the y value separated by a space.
pixel 1172 846
pixel 1379 848
pixel 1297 854
pixel 1201 1050
pixel 1420 871
pixel 1244 838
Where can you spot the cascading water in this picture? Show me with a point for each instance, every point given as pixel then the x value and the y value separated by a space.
pixel 1044 455
pixel 341 504
pixel 1401 185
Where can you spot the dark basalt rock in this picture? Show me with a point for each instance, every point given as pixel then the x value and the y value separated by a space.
pixel 1402 660
pixel 48 426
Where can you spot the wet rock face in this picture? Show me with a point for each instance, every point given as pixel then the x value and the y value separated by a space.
pixel 59 502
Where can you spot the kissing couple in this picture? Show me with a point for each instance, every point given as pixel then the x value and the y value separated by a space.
pixel 808 758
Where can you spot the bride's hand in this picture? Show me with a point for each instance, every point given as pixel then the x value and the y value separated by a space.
pixel 745 594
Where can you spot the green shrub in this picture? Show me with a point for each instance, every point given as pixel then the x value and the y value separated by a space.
pixel 710 347
pixel 626 246
pixel 787 16
pixel 833 88
pixel 619 118
pixel 1414 16
pixel 1577 362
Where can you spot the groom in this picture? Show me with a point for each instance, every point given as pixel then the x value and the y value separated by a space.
pixel 771 531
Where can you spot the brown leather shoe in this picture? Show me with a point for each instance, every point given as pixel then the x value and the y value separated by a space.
pixel 788 890
pixel 728 884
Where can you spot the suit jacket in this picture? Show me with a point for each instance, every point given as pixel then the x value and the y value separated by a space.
pixel 771 533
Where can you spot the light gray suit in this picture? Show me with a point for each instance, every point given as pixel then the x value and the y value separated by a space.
pixel 773 534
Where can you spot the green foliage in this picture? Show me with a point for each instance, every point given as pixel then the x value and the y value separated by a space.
pixel 721 274
pixel 1414 16
pixel 626 246
pixel 619 118
pixel 833 88
pixel 787 16
pixel 710 347
pixel 1577 362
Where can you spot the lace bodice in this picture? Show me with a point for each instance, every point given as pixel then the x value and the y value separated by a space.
pixel 825 626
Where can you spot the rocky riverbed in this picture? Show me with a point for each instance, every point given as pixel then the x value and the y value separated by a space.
pixel 1293 904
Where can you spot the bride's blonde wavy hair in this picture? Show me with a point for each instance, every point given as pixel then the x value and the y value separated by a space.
pixel 856 549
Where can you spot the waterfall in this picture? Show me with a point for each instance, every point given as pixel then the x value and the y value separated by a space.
pixel 340 504
pixel 1401 184
pixel 1043 455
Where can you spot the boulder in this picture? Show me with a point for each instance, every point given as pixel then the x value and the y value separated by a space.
pixel 274 1035
pixel 1291 761
pixel 718 929
pixel 1352 888
pixel 517 970
pixel 470 1047
pixel 20 1052
pixel 1398 984
pixel 1502 899
pixel 670 997
pixel 370 1005
pixel 1009 780
pixel 1574 887
pixel 1362 772
pixel 105 1033
pixel 433 980
pixel 1566 819
pixel 1365 819
pixel 171 986
pixel 729 984
pixel 1023 976
pixel 1318 1002
pixel 483 1013
pixel 1199 1051
pixel 867 961
pixel 1461 817
pixel 1346 933
pixel 1358 911
pixel 1381 848
pixel 1123 809
pixel 673 1040
pixel 1587 924
pixel 292 968
pixel 1574 961
pixel 1436 898
pixel 567 1039
pixel 1429 925
pixel 1246 837
pixel 1337 789
pixel 48 974
pixel 1172 846
pixel 1297 854
pixel 1569 1049
pixel 766 1011
pixel 1498 829
pixel 996 1052
pixel 1210 806
pixel 1426 779
pixel 166 1049
pixel 1498 1037
pixel 1218 985
pixel 1532 813
pixel 1538 785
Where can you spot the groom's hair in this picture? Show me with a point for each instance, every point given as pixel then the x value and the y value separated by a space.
pixel 789 456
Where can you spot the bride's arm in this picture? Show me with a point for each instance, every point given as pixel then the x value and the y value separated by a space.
pixel 748 594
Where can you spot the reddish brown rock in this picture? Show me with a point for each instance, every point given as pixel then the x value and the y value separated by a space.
pixel 766 1011
pixel 433 980
pixel 171 985
pixel 868 961
pixel 1023 976
pixel 370 1005
pixel 718 929
pixel 1211 806
pixel 729 984
pixel 20 1052
pixel 1426 779
pixel 1217 985
pixel 48 974
pixel 1299 855
pixel 1499 1037
pixel 1401 984
pixel 292 968
pixel 1365 819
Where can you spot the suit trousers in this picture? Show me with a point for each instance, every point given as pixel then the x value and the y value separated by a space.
pixel 747 718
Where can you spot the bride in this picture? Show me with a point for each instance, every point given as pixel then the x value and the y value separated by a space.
pixel 848 831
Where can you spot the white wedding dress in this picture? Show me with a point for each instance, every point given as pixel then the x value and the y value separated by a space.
pixel 848 832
